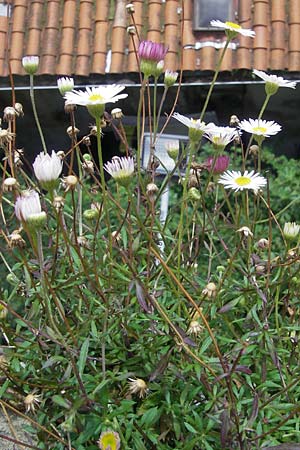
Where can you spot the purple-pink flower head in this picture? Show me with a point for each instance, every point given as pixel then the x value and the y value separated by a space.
pixel 152 51
pixel 221 164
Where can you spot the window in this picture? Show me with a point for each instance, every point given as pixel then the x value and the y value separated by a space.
pixel 207 10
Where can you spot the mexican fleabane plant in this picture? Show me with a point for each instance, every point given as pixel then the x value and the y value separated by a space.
pixel 144 307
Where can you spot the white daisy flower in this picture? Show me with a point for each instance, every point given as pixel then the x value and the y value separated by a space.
pixel 195 126
pixel 65 84
pixel 95 98
pixel 275 80
pixel 121 169
pixel 220 136
pixel 96 95
pixel 231 26
pixel 259 127
pixel 47 168
pixel 28 209
pixel 291 230
pixel 190 123
pixel 238 182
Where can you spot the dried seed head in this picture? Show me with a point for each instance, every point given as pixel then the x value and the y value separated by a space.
pixel 96 205
pixel 263 243
pixel 260 269
pixel 16 240
pixel 88 166
pixel 211 187
pixel 58 203
pixel 70 182
pixel 31 401
pixel 138 386
pixel 116 236
pixel 131 30
pixel 254 150
pixel 71 131
pixel 86 140
pixel 9 114
pixel 10 184
pixel 152 190
pixel 61 154
pixel 6 137
pixel 93 129
pixel 245 231
pixel 194 328
pixel 69 107
pixel 130 8
pixel 193 181
pixel 19 109
pixel 82 242
pixel 117 113
pixel 210 290
pixel 234 121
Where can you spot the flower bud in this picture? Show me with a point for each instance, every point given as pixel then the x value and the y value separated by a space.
pixel 65 84
pixel 291 230
pixel 90 214
pixel 172 148
pixel 194 194
pixel 30 64
pixel 170 78
pixel 158 70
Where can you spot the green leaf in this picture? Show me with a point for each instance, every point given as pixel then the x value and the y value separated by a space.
pixel 83 356
pixel 61 401
pixel 190 428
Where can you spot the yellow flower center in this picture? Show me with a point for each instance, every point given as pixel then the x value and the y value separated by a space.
pixel 243 181
pixel 262 130
pixel 108 441
pixel 233 25
pixel 96 98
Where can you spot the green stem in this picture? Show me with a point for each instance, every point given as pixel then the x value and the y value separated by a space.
pixel 36 115
pixel 214 79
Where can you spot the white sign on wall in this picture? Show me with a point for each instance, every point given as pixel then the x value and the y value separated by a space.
pixel 167 163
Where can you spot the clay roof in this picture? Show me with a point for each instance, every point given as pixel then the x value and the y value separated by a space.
pixel 84 37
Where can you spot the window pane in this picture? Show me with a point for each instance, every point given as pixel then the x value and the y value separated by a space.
pixel 212 9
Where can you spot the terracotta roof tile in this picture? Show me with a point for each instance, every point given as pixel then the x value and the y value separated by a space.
pixel 83 37
pixel 100 33
pixel 294 35
pixel 66 52
pixel 84 32
pixel 34 30
pixel 49 47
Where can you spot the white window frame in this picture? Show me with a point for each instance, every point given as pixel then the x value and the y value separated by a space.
pixel 197 10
